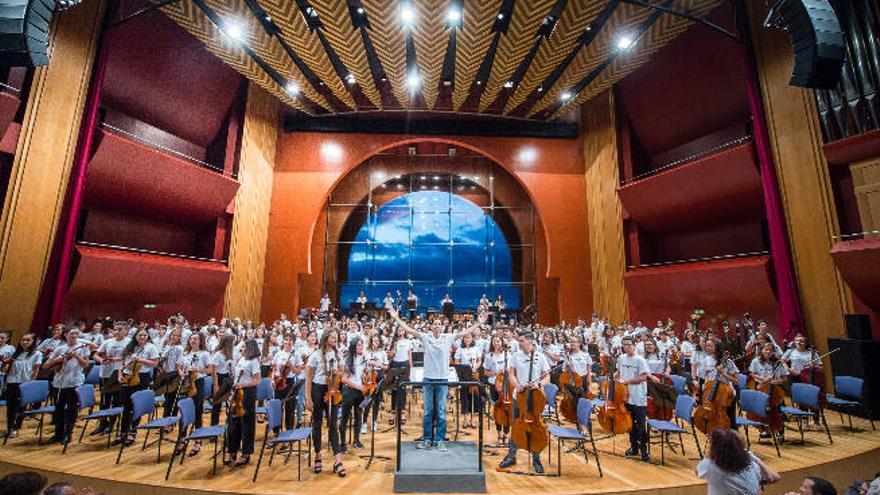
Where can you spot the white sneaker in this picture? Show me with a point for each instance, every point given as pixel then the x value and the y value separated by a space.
pixel 441 446
pixel 424 445
pixel 363 429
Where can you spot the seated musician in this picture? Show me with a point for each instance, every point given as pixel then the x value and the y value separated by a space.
pixel 767 369
pixel 632 371
pixel 528 369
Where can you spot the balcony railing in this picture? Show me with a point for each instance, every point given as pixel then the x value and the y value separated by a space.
pixel 685 261
pixel 149 251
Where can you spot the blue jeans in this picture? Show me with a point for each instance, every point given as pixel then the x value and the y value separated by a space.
pixel 435 391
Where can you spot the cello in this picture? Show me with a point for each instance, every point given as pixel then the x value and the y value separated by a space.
pixel 502 411
pixel 528 430
pixel 613 416
pixel 715 399
pixel 571 386
pixel 658 408
pixel 815 375
pixel 777 397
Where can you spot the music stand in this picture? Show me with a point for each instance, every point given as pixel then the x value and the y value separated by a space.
pixel 393 378
pixel 365 405
pixel 464 374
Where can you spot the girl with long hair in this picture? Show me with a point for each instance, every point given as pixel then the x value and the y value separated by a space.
pixel 22 367
pixel 496 361
pixel 240 434
pixel 194 366
pixel 353 392
pixel 221 362
pixel 400 352
pixel 139 356
pixel 287 365
pixel 324 365
pixel 730 469
pixel 470 355
pixel 169 357
pixel 73 358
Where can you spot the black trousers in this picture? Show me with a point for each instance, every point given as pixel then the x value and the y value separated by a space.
pixel 199 402
pixel 13 406
pixel 289 404
pixel 241 431
pixel 66 411
pixel 129 426
pixel 215 411
pixel 471 402
pixel 319 407
pixel 109 400
pixel 399 393
pixel 351 406
pixel 638 435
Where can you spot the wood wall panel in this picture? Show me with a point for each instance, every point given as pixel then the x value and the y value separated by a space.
pixel 804 183
pixel 250 226
pixel 607 257
pixel 866 182
pixel 43 159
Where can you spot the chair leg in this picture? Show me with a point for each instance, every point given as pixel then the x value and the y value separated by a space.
pixel 748 441
pixel 664 436
pixel 559 457
pixel 681 444
pixel 260 460
pixel 775 442
pixel 214 470
pixel 825 424
pixel 171 462
pixel 595 453
pixel 121 447
pixel 83 432
pixel 272 454
pixel 299 459
pixel 159 445
pixel 800 421
pixel 185 449
pixel 696 441
pixel 146 436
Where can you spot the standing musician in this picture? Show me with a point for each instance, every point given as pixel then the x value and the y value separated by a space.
pixel 579 360
pixel 168 361
pixel 412 304
pixel 22 367
pixel 221 362
pixel 470 355
pixel 633 371
pixel 377 359
pixel 194 366
pixel 766 368
pixel 437 348
pixel 400 352
pixel 353 392
pixel 287 365
pixel 805 366
pixel 713 365
pixel 138 358
pixel 528 369
pixel 494 364
pixel 240 434
pixel 110 358
pixel 73 358
pixel 323 366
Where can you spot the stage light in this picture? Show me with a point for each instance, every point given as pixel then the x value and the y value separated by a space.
pixel 407 15
pixel 476 177
pixel 331 152
pixel 413 80
pixel 479 82
pixel 233 30
pixel 501 16
pixel 436 177
pixel 422 178
pixel 565 96
pixel 453 15
pixel 540 89
pixel 292 89
pixel 624 42
pixel 527 155
pixel 360 10
pixel 350 79
pixel 508 84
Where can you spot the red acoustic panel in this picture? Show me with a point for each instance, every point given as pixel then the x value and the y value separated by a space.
pixel 724 288
pixel 109 281
pixel 130 177
pixel 8 107
pixel 720 188
pixel 859 264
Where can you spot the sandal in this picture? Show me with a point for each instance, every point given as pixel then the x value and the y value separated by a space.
pixel 402 421
pixel 195 450
pixel 245 459
pixel 339 469
pixel 179 449
pixel 228 459
pixel 317 467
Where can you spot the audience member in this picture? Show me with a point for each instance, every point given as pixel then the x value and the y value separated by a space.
pixel 24 483
pixel 730 469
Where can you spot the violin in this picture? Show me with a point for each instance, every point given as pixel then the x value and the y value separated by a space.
pixel 333 396
pixel 55 368
pixel 236 401
pixel 280 380
pixel 572 386
pixel 131 375
pixel 613 416
pixel 370 380
pixel 502 411
pixel 715 399
pixel 528 430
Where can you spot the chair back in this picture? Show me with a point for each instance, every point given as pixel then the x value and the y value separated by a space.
pixel 273 414
pixel 550 391
pixel 264 390
pixel 679 383
pixel 207 387
pixel 94 376
pixel 684 408
pixel 86 394
pixel 805 395
pixel 742 381
pixel 848 386
pixel 34 392
pixel 584 411
pixel 187 410
pixel 752 401
pixel 142 403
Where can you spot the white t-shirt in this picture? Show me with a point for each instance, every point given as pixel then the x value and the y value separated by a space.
pixel 289 359
pixel 765 369
pixel 401 349
pixel 494 362
pixel 111 348
pixel 355 375
pixel 798 360
pixel 656 365
pixel 468 355
pixel 246 370
pixel 521 362
pixel 195 359
pixel 221 363
pixel 148 351
pixel 632 367
pixel 747 481
pixel 580 362
pixel 706 368
pixel 22 370
pixel 319 375
pixel 170 356
pixel 71 374
pixel 437 350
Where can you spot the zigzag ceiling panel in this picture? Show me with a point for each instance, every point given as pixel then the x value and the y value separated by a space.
pixel 366 39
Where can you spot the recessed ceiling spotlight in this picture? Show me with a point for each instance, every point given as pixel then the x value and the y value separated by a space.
pixel 500 15
pixel 360 10
pixel 268 18
pixel 624 42
pixel 453 15
pixel 311 12
pixel 540 89
pixel 565 96
pixel 292 89
pixel 407 15
pixel 233 30
pixel 479 82
pixel 412 80
pixel 350 79
pixel 508 84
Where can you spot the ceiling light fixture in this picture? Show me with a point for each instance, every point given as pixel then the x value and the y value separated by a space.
pixel 407 15
pixel 508 84
pixel 453 15
pixel 625 42
pixel 292 89
pixel 565 96
pixel 350 79
pixel 360 10
pixel 501 16
pixel 233 30
pixel 412 80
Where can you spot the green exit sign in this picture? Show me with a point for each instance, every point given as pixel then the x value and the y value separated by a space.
pixel 149 305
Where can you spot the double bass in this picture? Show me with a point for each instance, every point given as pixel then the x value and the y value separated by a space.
pixel 657 407
pixel 777 396
pixel 502 411
pixel 528 430
pixel 716 397
pixel 613 416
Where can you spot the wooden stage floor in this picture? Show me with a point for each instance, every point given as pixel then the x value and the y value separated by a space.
pixel 854 454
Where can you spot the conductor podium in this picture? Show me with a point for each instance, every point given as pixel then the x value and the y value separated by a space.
pixel 430 471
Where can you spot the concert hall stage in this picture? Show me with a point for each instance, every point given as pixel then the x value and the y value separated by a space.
pixel 853 455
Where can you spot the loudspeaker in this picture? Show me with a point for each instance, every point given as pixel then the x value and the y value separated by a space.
pixel 817 39
pixel 24 32
pixel 859 358
pixel 858 326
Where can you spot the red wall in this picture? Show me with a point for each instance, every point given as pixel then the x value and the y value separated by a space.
pixel 308 166
pixel 123 230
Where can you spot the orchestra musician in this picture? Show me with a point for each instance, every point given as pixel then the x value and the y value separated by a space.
pixel 633 371
pixel 110 359
pixel 447 306
pixel 193 366
pixel 412 304
pixel 711 364
pixel 241 430
pixel 400 352
pixel 494 365
pixel 287 362
pixel 324 366
pixel 21 367
pixel 377 359
pixel 528 369
pixel 324 305
pixel 169 357
pixel 472 356
pixel 73 358
pixel 138 358
pixel 221 362
pixel 766 368
pixel 353 393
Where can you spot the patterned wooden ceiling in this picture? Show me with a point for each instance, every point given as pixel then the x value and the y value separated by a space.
pixel 518 58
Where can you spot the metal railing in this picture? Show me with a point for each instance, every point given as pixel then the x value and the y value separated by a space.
pixel 690 158
pixel 854 236
pixel 700 260
pixel 148 251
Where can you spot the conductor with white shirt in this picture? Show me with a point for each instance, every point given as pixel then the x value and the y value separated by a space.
pixel 437 348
